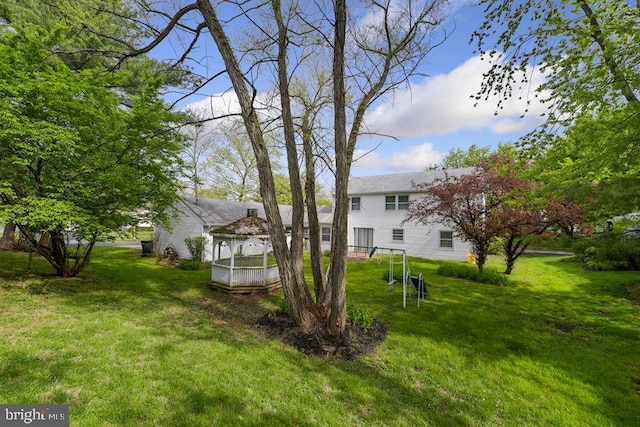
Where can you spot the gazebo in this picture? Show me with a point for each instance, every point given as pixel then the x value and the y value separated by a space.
pixel 241 261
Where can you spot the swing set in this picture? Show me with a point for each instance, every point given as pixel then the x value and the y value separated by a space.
pixel 416 280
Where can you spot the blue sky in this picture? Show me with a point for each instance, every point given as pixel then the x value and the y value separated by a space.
pixel 436 114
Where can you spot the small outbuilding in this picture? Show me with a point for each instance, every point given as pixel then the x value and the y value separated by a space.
pixel 249 266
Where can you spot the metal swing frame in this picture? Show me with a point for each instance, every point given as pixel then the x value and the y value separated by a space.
pixel 406 272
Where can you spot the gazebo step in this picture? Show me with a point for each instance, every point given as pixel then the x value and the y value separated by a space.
pixel 246 288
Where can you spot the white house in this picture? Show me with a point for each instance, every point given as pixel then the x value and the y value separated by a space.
pixel 199 219
pixel 377 204
pixel 377 207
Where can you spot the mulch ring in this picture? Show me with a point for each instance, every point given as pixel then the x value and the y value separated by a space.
pixel 354 343
pixel 634 292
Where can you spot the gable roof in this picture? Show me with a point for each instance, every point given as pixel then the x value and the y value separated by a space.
pixel 397 182
pixel 215 212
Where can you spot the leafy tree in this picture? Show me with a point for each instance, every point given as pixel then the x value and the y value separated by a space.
pixel 283 191
pixel 472 156
pixel 596 162
pixel 459 158
pixel 465 203
pixel 527 217
pixel 233 166
pixel 75 164
pixel 590 54
pixel 494 200
pixel 199 148
pixel 369 60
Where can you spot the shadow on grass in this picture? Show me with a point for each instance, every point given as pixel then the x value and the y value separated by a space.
pixel 118 280
pixel 586 330
pixel 583 330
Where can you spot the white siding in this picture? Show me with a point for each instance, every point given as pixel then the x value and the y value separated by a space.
pixel 419 240
pixel 186 225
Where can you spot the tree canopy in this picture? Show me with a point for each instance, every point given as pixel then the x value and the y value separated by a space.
pixel 381 48
pixel 589 53
pixel 495 199
pixel 74 163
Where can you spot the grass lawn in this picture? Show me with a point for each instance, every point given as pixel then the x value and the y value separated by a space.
pixel 135 343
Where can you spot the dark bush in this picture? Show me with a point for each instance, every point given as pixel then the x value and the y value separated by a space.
pixel 463 271
pixel 609 251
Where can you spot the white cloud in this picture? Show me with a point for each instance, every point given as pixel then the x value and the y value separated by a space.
pixel 416 157
pixel 216 105
pixel 444 104
pixel 225 107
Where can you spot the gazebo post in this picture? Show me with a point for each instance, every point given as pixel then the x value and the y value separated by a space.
pixel 232 245
pixel 265 248
pixel 215 243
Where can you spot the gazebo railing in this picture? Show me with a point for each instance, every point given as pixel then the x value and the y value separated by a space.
pixel 244 275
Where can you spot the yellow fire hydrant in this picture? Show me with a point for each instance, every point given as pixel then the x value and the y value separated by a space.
pixel 471 258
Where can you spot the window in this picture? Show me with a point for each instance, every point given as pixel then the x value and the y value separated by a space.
pixel 355 203
pixel 403 203
pixel 326 234
pixel 393 203
pixel 390 203
pixel 446 239
pixel 397 235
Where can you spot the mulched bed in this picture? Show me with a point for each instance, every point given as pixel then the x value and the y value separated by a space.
pixel 354 343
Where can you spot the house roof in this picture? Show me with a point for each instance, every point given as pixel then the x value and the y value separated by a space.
pixel 216 213
pixel 398 182
pixel 325 214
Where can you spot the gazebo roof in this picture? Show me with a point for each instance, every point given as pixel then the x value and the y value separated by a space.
pixel 250 226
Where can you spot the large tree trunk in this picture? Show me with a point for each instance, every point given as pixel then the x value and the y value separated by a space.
pixel 322 291
pixel 52 246
pixel 337 272
pixel 514 246
pixel 7 243
pixel 297 197
pixel 481 250
pixel 295 290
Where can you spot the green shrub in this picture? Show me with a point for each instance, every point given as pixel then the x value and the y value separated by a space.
pixel 189 264
pixel 609 251
pixel 463 271
pixel 196 246
pixel 358 315
pixel 281 302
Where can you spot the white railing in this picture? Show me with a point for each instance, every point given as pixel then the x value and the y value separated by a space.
pixel 244 275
